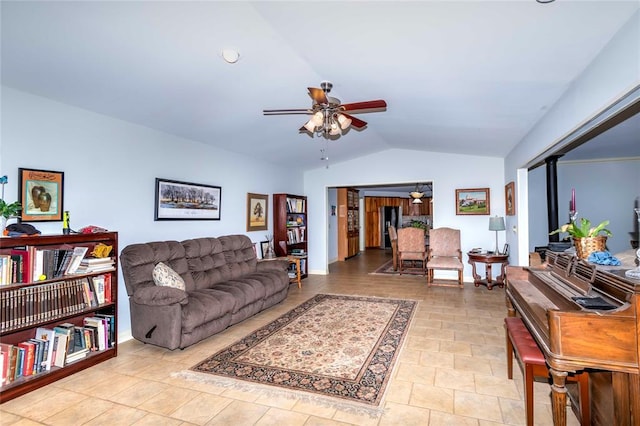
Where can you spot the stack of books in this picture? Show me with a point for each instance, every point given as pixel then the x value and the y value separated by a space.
pixel 90 265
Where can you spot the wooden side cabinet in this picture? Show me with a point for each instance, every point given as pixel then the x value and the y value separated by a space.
pixel 54 324
pixel 348 223
pixel 290 228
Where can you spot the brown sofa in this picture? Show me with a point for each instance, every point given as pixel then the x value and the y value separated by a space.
pixel 224 284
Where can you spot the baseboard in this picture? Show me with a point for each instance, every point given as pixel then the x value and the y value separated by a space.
pixel 123 336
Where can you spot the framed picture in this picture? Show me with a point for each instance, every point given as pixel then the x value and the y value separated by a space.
pixel 510 198
pixel 472 201
pixel 177 200
pixel 41 195
pixel 264 248
pixel 505 250
pixel 257 212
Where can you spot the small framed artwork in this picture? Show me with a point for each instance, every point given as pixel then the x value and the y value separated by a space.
pixel 177 200
pixel 510 198
pixel 266 249
pixel 505 250
pixel 257 212
pixel 41 195
pixel 474 201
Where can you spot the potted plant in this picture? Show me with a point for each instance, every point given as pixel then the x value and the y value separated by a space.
pixel 586 238
pixel 8 211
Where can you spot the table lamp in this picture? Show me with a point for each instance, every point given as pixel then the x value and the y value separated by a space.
pixel 496 224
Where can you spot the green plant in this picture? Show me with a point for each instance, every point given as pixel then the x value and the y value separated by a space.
pixel 9 210
pixel 584 230
pixel 419 224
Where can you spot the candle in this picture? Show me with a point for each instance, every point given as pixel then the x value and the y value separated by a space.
pixel 573 199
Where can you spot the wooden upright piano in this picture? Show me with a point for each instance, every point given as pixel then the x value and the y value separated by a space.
pixel 583 318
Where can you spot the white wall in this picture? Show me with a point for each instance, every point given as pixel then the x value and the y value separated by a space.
pixel 613 73
pixel 110 168
pixel 605 190
pixel 446 171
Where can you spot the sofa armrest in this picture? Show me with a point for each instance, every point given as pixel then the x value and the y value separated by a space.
pixel 279 264
pixel 159 296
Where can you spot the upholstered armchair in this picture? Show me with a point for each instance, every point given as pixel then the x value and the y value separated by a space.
pixel 411 247
pixel 393 236
pixel 444 253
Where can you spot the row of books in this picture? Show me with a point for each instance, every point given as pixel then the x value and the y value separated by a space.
pixel 295 205
pixel 24 306
pixel 64 344
pixel 296 235
pixel 31 263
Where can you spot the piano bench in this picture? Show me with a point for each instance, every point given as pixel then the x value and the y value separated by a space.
pixel 532 362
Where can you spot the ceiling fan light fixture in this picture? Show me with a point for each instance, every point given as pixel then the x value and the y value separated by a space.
pixel 417 201
pixel 318 118
pixel 314 122
pixel 334 128
pixel 310 126
pixel 344 121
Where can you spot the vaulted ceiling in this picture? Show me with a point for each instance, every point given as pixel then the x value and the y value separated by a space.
pixel 468 77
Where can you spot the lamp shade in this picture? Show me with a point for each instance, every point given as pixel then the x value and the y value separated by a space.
pixel 344 121
pixel 315 121
pixel 310 126
pixel 496 223
pixel 417 201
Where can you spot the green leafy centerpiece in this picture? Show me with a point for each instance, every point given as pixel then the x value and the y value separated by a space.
pixel 586 238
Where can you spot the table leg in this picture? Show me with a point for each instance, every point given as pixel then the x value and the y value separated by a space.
pixel 298 272
pixel 500 278
pixel 476 277
pixel 489 282
pixel 559 397
pixel 296 262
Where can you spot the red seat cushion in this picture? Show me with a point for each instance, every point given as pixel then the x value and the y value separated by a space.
pixel 524 344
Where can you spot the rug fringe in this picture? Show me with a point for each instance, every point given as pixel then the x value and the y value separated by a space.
pixel 269 391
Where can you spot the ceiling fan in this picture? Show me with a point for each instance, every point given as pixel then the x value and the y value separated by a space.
pixel 329 117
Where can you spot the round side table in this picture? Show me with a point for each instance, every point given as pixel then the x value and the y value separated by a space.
pixel 488 259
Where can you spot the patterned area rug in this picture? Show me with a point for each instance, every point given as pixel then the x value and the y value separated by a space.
pixel 339 348
pixel 387 269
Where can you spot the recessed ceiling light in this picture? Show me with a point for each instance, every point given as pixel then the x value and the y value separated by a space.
pixel 230 56
pixel 545 1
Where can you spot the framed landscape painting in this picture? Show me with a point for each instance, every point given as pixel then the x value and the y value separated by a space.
pixel 473 201
pixel 510 198
pixel 177 200
pixel 257 212
pixel 41 194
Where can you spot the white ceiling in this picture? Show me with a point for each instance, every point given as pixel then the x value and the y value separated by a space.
pixel 468 77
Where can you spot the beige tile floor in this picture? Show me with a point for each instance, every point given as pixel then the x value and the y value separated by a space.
pixel 452 370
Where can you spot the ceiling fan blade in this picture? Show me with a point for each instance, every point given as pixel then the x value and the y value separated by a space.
pixel 356 122
pixel 318 95
pixel 286 111
pixel 365 106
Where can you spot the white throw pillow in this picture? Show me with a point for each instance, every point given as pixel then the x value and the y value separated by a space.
pixel 167 277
